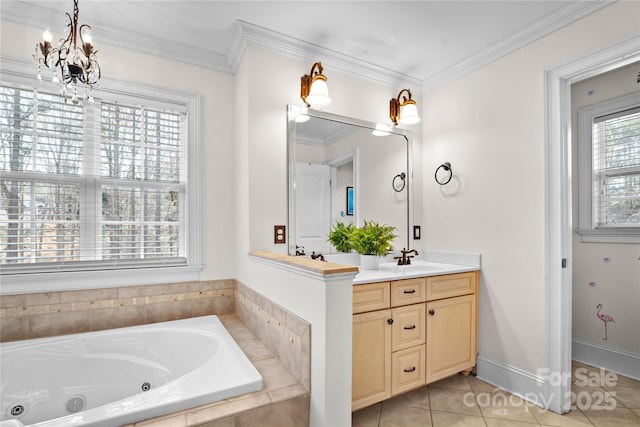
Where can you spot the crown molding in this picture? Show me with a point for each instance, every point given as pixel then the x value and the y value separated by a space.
pixel 549 24
pixel 248 34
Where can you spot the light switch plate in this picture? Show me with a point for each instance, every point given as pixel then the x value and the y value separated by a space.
pixel 416 232
pixel 279 234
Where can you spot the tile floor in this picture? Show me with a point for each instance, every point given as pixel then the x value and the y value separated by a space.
pixel 467 401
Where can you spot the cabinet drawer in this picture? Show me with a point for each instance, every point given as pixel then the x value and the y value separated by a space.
pixel 371 296
pixel 408 329
pixel 451 285
pixel 407 369
pixel 409 291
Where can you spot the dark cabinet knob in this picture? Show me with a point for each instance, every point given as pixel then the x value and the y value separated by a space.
pixel 390 321
pixel 432 312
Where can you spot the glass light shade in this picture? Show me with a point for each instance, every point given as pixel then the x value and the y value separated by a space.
pixel 409 114
pixel 381 130
pixel 318 94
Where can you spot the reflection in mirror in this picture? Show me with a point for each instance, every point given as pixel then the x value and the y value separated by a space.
pixel 329 154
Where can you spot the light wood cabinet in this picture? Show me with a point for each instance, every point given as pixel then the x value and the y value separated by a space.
pixel 451 337
pixel 371 358
pixel 408 333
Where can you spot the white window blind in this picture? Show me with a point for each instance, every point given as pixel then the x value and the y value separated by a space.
pixel 616 169
pixel 93 186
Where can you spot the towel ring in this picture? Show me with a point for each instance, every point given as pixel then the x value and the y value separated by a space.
pixel 447 167
pixel 398 188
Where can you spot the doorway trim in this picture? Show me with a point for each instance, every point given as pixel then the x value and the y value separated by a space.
pixel 558 203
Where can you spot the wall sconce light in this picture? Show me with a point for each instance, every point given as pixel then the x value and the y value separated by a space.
pixel 313 88
pixel 403 112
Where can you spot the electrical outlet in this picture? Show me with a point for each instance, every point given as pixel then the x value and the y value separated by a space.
pixel 279 236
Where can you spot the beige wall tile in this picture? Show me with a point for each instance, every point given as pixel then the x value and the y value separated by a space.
pixel 88 295
pixel 290 413
pixel 13 328
pixel 226 409
pixel 296 324
pixel 289 355
pixel 166 311
pixel 305 360
pixel 53 324
pixel 117 317
pixel 11 301
pixel 215 305
pixel 41 298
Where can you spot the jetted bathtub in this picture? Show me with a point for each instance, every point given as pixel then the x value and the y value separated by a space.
pixel 121 376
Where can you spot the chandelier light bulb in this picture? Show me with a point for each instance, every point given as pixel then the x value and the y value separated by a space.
pixel 87 37
pixel 47 36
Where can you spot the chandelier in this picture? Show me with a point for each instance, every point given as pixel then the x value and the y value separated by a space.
pixel 73 63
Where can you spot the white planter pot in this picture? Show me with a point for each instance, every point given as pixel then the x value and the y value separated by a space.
pixel 369 262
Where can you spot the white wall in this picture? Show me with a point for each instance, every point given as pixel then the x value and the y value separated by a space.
pixel 490 126
pixel 614 284
pixel 260 147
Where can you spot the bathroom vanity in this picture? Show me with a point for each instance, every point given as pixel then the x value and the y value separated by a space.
pixel 412 325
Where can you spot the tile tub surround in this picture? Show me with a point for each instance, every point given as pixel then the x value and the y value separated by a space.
pixel 40 315
pixel 281 331
pixel 281 402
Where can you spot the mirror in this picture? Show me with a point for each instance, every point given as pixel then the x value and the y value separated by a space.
pixel 340 171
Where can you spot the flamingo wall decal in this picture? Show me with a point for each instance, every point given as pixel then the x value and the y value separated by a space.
pixel 605 318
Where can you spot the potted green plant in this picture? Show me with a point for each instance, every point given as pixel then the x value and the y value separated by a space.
pixel 372 241
pixel 339 236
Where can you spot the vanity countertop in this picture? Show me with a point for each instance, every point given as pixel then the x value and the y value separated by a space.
pixel 436 263
pixel 392 271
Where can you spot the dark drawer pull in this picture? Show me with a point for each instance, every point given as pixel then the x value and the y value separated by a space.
pixel 412 291
pixel 408 328
pixel 413 369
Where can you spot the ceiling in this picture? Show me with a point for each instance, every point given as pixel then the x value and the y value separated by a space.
pixel 422 43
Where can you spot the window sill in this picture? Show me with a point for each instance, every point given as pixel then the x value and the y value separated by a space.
pixel 619 235
pixel 76 280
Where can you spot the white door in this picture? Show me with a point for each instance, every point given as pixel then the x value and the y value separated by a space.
pixel 313 206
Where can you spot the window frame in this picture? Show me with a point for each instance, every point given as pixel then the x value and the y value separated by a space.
pixel 587 229
pixel 16 73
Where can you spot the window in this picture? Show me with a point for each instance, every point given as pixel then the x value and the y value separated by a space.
pixel 102 186
pixel 609 139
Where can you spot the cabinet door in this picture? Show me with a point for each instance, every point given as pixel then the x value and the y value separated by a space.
pixel 371 358
pixel 408 326
pixel 451 336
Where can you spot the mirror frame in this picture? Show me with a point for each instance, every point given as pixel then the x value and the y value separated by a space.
pixel 292 112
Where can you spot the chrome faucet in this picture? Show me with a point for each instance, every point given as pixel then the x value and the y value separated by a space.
pixel 317 255
pixel 404 259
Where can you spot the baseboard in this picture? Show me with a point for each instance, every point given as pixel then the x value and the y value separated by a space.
pixel 614 360
pixel 524 384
